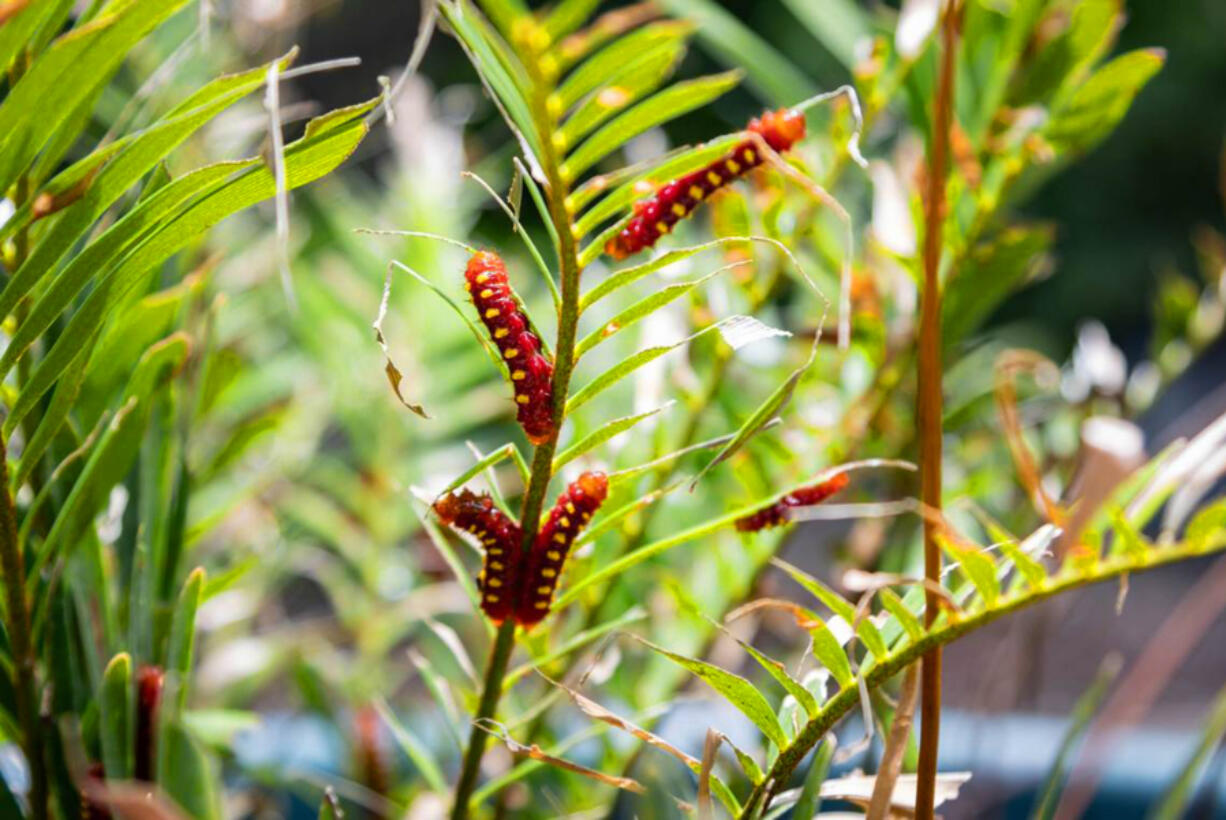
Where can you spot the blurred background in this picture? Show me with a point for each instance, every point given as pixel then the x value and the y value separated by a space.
pixel 1138 223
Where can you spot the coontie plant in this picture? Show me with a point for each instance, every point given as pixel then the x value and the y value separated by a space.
pixel 573 98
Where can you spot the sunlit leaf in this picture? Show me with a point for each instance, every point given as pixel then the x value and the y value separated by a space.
pixel 738 691
pixel 667 105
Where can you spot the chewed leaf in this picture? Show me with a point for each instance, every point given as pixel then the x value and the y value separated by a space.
pixel 394 376
pixel 741 331
pixel 738 691
pixel 535 752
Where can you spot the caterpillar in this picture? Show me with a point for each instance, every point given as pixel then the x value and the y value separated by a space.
pixel 774 515
pixel 504 318
pixel 502 539
pixel 656 215
pixel 571 513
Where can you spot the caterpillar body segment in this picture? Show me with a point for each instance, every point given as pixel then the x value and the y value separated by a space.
pixel 531 371
pixel 572 512
pixel 502 540
pixel 674 201
pixel 774 515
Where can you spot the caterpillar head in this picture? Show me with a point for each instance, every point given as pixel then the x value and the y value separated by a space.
pixel 781 129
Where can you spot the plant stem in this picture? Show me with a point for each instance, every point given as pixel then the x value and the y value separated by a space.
pixel 929 404
pixel 542 459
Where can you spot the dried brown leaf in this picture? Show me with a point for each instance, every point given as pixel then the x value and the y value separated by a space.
pixel 536 753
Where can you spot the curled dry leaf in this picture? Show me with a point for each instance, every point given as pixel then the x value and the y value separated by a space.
pixel 394 376
pixel 536 753
pixel 710 748
pixel 595 711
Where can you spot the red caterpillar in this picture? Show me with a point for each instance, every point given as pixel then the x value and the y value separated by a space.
pixel 655 216
pixel 531 372
pixel 503 541
pixel 776 514
pixel 574 508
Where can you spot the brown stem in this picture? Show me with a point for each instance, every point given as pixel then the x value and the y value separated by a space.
pixel 929 404
pixel 895 748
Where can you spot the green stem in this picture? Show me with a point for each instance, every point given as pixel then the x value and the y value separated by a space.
pixel 542 459
pixel 945 632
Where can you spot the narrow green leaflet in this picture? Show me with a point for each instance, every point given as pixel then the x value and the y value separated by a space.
pixel 63 401
pixel 1083 712
pixel 114 452
pixel 1207 529
pixel 633 82
pixel 118 172
pixel 838 605
pixel 328 140
pixel 1099 103
pixel 738 691
pixel 616 373
pixel 599 436
pixel 151 215
pixel 667 105
pixel 188 777
pixel 639 310
pixel 1175 802
pixel 763 415
pixel 978 568
pixel 594 72
pixel 628 276
pixel 648 551
pixel 777 671
pixel 16 31
pixel 503 88
pixel 582 639
pixel 71 70
pixel 507 451
pixel 769 72
pixel 830 654
pixel 1031 570
pixel 567 16
pixel 183 634
pixel 115 717
pixel 417 751
pixel 902 614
